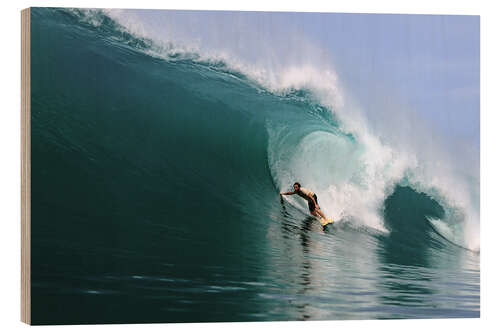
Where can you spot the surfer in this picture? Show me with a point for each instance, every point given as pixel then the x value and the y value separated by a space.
pixel 310 196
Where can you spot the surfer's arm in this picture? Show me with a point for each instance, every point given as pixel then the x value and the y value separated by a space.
pixel 287 193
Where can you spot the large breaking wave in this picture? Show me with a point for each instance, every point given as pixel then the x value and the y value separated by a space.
pixel 292 107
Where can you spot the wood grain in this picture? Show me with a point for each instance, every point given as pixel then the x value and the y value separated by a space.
pixel 25 168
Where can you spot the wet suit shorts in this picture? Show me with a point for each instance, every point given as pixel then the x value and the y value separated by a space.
pixel 311 204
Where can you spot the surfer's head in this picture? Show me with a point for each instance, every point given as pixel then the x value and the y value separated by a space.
pixel 296 186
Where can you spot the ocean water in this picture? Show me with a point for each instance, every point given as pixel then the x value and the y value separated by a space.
pixel 155 195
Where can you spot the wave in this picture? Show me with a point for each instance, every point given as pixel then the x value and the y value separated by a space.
pixel 295 117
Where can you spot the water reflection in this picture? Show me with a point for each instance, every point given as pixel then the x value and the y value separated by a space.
pixel 304 233
pixel 349 272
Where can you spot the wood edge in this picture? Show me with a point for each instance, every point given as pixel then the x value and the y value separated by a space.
pixel 25 167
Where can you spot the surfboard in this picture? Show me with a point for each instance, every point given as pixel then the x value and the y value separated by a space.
pixel 325 222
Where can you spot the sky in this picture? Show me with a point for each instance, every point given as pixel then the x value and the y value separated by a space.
pixel 427 63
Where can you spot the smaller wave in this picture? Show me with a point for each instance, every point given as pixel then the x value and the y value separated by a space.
pixel 444 230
